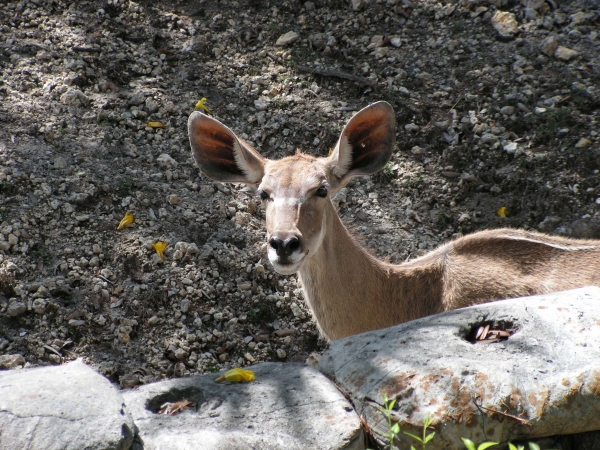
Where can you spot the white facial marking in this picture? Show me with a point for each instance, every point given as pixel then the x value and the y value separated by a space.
pixel 292 201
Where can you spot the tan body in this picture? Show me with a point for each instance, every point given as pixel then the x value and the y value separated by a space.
pixel 348 290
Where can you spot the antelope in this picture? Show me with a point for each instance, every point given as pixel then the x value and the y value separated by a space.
pixel 348 290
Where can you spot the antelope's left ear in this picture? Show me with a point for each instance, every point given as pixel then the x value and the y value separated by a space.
pixel 366 143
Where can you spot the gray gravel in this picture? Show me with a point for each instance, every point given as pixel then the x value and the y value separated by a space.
pixel 488 118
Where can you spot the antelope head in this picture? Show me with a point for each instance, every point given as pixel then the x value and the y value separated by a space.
pixel 295 190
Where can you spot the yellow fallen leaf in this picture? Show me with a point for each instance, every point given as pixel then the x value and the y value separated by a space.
pixel 126 221
pixel 236 375
pixel 160 249
pixel 200 105
pixel 502 212
pixel 156 125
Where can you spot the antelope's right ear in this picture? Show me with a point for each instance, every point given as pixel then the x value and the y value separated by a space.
pixel 220 154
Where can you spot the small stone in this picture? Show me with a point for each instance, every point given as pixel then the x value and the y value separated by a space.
pixel 76 322
pixel 39 305
pixel 396 42
pixel 173 199
pixel 565 54
pixel 4 246
pixel 249 357
pixel 281 354
pixel 11 361
pixel 181 354
pixel 12 239
pixel 185 305
pixel 16 309
pixel 416 150
pixel 287 38
pixel 74 97
pixel 357 5
pixel 411 127
pixel 380 52
pixel 505 24
pixel 508 110
pixel 539 110
pixel 549 45
pixel 261 104
pixel 583 142
pixel 153 320
pixel 578 18
pixel 511 147
pixel 165 160
pixel 488 138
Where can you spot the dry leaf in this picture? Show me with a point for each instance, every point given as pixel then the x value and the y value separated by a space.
pixel 236 375
pixel 200 105
pixel 160 249
pixel 156 125
pixel 126 221
pixel 175 407
pixel 502 212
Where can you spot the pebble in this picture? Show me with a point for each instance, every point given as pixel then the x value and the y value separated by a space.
pixel 564 53
pixel 582 143
pixel 505 23
pixel 16 309
pixel 8 362
pixel 549 45
pixel 74 97
pixel 288 38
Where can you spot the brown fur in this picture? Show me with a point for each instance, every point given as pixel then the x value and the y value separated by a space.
pixel 348 290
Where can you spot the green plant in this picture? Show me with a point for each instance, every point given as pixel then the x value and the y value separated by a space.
pixel 426 437
pixel 212 368
pixel 470 445
pixel 531 445
pixel 393 429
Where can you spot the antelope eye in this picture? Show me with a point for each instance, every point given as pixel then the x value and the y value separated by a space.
pixel 263 195
pixel 321 192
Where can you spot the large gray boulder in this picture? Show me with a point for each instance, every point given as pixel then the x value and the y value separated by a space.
pixel 544 380
pixel 288 406
pixel 62 407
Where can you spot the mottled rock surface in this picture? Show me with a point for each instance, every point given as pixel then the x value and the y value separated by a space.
pixel 544 380
pixel 69 407
pixel 289 406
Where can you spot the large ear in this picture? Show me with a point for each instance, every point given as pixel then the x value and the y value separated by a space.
pixel 220 154
pixel 366 143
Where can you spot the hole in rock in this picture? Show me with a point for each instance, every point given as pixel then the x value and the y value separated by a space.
pixel 192 394
pixel 490 331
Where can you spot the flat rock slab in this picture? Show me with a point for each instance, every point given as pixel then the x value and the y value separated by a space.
pixel 289 406
pixel 543 381
pixel 62 407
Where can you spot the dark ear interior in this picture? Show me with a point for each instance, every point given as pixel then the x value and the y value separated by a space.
pixel 366 143
pixel 219 153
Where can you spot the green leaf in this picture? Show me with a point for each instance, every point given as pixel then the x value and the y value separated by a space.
pixel 412 447
pixel 395 428
pixel 430 437
pixel 428 421
pixel 533 446
pixel 487 445
pixel 418 438
pixel 468 444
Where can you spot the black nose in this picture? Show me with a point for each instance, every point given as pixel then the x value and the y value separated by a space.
pixel 285 248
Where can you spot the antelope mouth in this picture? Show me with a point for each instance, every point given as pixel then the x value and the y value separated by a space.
pixel 286 266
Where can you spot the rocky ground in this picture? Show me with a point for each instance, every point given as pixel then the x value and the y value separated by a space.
pixel 497 105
